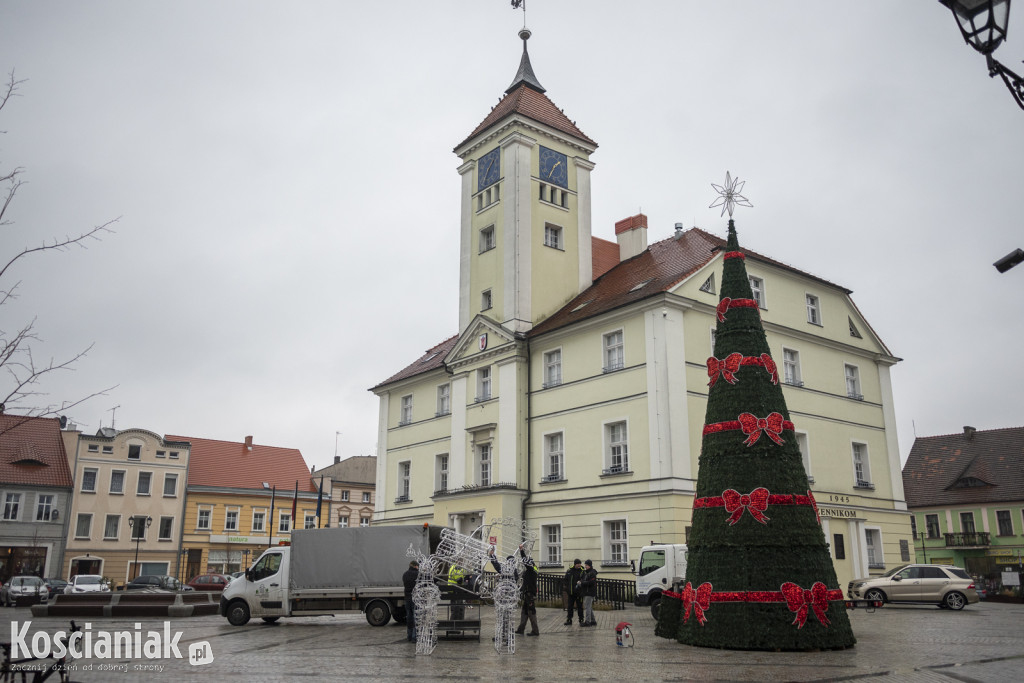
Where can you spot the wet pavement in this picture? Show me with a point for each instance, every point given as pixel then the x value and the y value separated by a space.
pixel 984 642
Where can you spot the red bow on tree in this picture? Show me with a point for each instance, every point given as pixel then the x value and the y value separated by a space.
pixel 753 426
pixel 723 306
pixel 798 600
pixel 727 368
pixel 769 365
pixel 699 599
pixel 755 503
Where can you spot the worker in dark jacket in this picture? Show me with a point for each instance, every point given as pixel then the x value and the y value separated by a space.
pixel 529 595
pixel 409 581
pixel 572 586
pixel 589 589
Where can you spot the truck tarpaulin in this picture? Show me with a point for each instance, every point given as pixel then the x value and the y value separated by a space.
pixel 358 556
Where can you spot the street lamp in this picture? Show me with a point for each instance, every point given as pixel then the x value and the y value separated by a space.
pixel 138 526
pixel 983 25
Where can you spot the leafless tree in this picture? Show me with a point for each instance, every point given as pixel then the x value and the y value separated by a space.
pixel 22 373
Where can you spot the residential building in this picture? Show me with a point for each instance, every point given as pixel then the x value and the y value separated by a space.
pixel 349 490
pixel 574 394
pixel 128 504
pixel 966 493
pixel 240 497
pixel 35 491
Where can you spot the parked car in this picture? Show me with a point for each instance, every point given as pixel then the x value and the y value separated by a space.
pixel 55 585
pixel 23 587
pixel 87 583
pixel 156 583
pixel 212 583
pixel 930 584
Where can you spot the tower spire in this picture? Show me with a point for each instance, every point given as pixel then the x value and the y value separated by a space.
pixel 525 75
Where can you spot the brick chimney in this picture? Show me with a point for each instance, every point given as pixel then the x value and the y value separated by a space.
pixel 248 444
pixel 631 234
pixel 969 432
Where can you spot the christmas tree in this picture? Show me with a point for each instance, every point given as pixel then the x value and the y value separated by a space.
pixel 759 575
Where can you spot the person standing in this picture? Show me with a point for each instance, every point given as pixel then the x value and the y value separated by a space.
pixel 456 577
pixel 529 596
pixel 588 587
pixel 409 582
pixel 573 577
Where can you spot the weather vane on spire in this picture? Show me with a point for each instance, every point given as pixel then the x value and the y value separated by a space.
pixel 516 4
pixel 729 196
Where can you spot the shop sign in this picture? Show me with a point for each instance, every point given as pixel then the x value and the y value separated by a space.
pixel 837 512
pixel 1011 579
pixel 999 552
pixel 1007 560
pixel 235 539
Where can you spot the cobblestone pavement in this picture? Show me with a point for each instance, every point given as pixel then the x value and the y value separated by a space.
pixel 984 642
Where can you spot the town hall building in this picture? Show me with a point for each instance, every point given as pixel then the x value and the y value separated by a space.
pixel 573 395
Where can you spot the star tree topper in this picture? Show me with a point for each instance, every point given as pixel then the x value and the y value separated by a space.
pixel 729 195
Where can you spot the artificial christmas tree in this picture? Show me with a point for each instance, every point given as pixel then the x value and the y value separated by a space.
pixel 759 575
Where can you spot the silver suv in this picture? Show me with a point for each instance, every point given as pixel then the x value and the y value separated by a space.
pixel 930 584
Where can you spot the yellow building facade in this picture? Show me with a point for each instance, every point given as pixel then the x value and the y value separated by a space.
pixel 574 395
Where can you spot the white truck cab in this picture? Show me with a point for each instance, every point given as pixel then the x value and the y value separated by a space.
pixel 662 565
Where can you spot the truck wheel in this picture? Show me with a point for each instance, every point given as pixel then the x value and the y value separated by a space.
pixel 378 613
pixel 655 607
pixel 238 613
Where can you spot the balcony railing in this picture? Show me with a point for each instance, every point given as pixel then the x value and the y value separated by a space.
pixel 968 539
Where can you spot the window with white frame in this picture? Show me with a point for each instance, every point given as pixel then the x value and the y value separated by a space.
pixel 813 309
pixel 483 464
pixel 231 519
pixel 342 520
pixel 83 525
pixel 713 334
pixel 284 522
pixel 1004 523
pixel 805 453
pixel 117 482
pixel 444 399
pixel 89 480
pixel 144 484
pixel 551 543
pixel 170 485
pixel 553 236
pixel 166 526
pixel 757 290
pixel 614 358
pixel 44 507
pixel 344 496
pixel 203 518
pixel 873 543
pixel 709 285
pixel 967 522
pixel 553 368
pixel 94 448
pixel 161 454
pixel 931 523
pixel 441 472
pixel 483 384
pixel 12 501
pixel 853 382
pixel 406 415
pixel 111 527
pixel 616 439
pixel 618 542
pixel 259 520
pixel 138 527
pixel 487 239
pixel 309 521
pixel 134 452
pixel 486 300
pixel 108 449
pixel 404 475
pixel 364 521
pixel 861 466
pixel 791 367
pixel 554 457
pixel 366 496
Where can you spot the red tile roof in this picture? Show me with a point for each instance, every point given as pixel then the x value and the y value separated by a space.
pixel 32 452
pixel 993 458
pixel 229 464
pixel 533 105
pixel 604 255
pixel 431 359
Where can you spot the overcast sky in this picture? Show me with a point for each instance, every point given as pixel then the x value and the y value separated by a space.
pixel 288 197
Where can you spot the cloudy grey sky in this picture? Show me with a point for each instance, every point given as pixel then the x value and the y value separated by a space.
pixel 289 200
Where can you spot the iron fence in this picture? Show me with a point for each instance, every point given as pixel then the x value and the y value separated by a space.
pixel 614 592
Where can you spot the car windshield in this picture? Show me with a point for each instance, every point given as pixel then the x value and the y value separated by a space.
pixel 896 569
pixel 89 580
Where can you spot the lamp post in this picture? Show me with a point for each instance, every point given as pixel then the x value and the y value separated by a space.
pixel 982 24
pixel 138 525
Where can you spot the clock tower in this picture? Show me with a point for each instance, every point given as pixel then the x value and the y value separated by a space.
pixel 525 212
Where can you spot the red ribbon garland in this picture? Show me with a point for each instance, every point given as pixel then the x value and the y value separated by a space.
pixel 797 599
pixel 735 254
pixel 733 503
pixel 753 426
pixel 730 365
pixel 699 600
pixel 726 303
